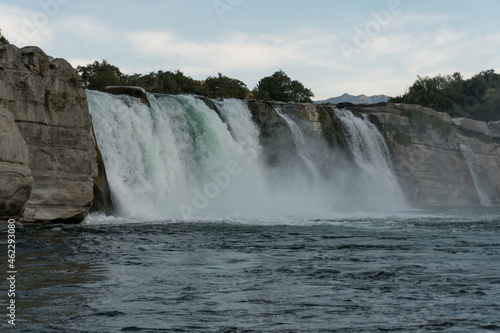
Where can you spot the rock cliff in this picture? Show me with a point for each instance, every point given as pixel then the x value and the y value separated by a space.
pixel 426 148
pixel 47 149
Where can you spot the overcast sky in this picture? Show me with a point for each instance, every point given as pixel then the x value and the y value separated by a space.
pixel 359 47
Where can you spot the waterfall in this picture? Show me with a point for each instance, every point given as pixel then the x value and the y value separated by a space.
pixel 371 157
pixel 475 174
pixel 175 157
pixel 300 143
pixel 180 159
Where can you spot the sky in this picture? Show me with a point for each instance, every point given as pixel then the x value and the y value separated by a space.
pixel 333 47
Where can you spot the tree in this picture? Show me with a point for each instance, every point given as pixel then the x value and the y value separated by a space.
pixel 440 93
pixel 280 87
pixel 477 98
pixel 225 87
pixel 97 76
pixel 3 40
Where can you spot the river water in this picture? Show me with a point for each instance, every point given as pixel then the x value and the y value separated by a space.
pixel 407 272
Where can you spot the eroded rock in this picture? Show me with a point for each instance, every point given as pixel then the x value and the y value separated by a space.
pixel 51 129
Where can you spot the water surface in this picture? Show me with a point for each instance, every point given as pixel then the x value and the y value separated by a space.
pixel 424 272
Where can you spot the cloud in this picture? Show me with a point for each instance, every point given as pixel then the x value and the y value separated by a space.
pixel 86 29
pixel 75 62
pixel 235 50
pixel 411 44
pixel 24 27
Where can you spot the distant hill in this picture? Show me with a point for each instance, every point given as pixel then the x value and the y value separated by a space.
pixel 361 99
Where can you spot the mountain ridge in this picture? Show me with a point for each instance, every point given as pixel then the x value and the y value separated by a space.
pixel 360 99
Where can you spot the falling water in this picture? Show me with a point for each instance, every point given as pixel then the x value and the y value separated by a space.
pixel 372 157
pixel 300 143
pixel 179 158
pixel 475 173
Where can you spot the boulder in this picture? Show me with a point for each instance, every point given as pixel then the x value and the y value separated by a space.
pixel 137 92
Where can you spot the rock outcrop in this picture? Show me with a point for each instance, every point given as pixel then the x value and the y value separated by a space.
pixel 425 147
pixel 426 158
pixel 137 92
pixel 48 151
pixel 15 175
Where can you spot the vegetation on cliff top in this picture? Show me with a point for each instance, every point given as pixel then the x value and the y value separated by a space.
pixel 477 98
pixel 279 86
pixel 3 40
pixel 421 120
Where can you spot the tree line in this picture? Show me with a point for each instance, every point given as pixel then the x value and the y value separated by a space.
pixel 278 86
pixel 477 98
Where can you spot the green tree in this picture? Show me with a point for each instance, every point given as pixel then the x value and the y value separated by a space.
pixel 3 40
pixel 476 98
pixel 97 76
pixel 166 83
pixel 225 87
pixel 440 93
pixel 280 87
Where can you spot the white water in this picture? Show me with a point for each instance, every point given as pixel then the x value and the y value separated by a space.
pixel 300 143
pixel 178 160
pixel 475 173
pixel 372 157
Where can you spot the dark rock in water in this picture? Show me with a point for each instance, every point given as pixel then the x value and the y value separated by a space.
pixel 47 150
pixel 137 92
pixel 102 193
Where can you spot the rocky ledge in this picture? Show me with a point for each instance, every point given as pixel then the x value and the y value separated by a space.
pixel 440 162
pixel 47 150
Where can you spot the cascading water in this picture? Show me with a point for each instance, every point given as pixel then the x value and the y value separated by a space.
pixel 177 157
pixel 300 143
pixel 372 157
pixel 181 159
pixel 475 173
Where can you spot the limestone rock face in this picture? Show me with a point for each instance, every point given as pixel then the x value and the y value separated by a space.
pixel 15 174
pixel 48 108
pixel 425 147
pixel 426 154
pixel 274 132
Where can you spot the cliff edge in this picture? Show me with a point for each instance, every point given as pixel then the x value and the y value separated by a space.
pixel 47 149
pixel 439 162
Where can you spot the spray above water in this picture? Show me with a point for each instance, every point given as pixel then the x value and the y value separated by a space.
pixel 180 159
pixel 372 161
